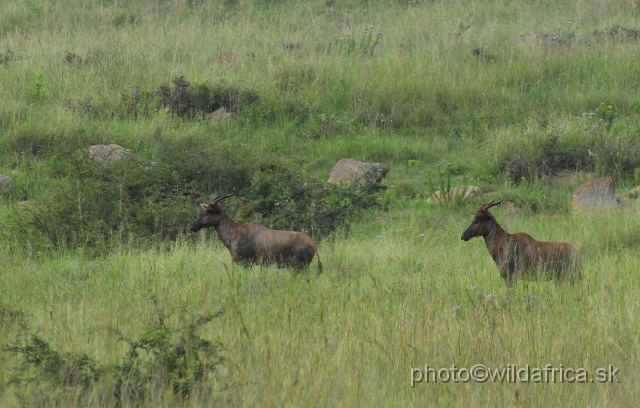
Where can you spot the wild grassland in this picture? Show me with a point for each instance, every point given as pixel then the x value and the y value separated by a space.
pixel 350 336
pixel 106 300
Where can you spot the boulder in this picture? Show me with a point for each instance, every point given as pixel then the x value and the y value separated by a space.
pixel 596 194
pixel 6 183
pixel 109 153
pixel 219 115
pixel 348 171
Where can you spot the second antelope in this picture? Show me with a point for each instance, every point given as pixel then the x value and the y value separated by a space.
pixel 253 243
pixel 519 255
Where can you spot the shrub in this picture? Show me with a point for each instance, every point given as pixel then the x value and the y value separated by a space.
pixel 39 364
pixel 145 201
pixel 164 355
pixel 599 147
pixel 194 101
pixel 533 157
pixel 614 150
pixel 180 98
pixel 95 203
pixel 284 201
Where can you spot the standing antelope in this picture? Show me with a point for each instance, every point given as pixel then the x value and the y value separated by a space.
pixel 253 243
pixel 519 255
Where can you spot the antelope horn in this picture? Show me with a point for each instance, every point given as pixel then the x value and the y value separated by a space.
pixel 220 198
pixel 489 205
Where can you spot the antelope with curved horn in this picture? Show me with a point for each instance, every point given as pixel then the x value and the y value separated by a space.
pixel 253 243
pixel 519 255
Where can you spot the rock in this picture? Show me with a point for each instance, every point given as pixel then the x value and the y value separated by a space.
pixel 348 171
pixel 219 115
pixel 109 153
pixel 596 194
pixel 450 197
pixel 6 183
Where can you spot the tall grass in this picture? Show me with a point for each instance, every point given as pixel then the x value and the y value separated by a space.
pixel 350 336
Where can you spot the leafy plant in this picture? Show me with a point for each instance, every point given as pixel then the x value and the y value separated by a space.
pixel 41 363
pixel 182 98
pixel 443 192
pixel 606 114
pixel 165 354
pixel 284 201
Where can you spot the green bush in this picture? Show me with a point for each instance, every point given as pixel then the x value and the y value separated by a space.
pixel 165 354
pixel 150 199
pixel 194 101
pixel 180 98
pixel 285 201
pixel 534 156
pixel 598 146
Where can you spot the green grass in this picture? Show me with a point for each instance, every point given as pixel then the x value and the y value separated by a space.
pixel 350 336
pixel 99 259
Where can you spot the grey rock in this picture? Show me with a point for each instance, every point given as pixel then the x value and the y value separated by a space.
pixel 596 194
pixel 109 153
pixel 348 171
pixel 6 183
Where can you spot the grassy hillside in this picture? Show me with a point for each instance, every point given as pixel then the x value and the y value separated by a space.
pixel 107 299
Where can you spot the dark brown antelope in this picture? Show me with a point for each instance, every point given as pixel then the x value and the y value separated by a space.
pixel 518 255
pixel 253 243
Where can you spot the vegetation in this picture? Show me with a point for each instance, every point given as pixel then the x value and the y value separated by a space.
pixel 108 300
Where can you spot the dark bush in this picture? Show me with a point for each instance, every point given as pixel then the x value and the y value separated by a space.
pixel 8 56
pixel 176 356
pixel 165 354
pixel 40 363
pixel 150 200
pixel 602 148
pixel 285 201
pixel 180 98
pixel 544 156
pixel 147 200
pixel 41 143
pixel 194 101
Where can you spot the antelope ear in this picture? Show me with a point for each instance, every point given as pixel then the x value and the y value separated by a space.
pixel 473 212
pixel 204 206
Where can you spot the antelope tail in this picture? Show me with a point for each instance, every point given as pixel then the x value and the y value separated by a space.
pixel 319 263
